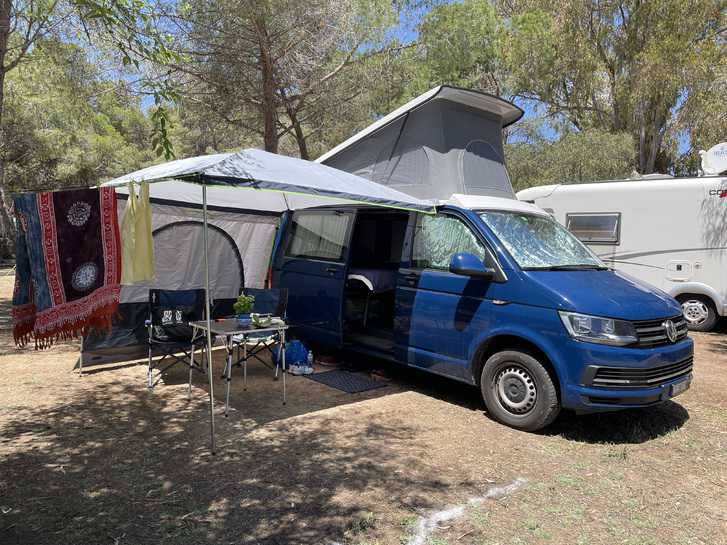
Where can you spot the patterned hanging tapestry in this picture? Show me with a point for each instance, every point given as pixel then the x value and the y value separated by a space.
pixel 68 264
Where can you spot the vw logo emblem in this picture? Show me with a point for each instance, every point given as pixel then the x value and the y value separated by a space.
pixel 671 330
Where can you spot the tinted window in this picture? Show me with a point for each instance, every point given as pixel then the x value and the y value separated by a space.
pixel 438 238
pixel 319 236
pixel 597 228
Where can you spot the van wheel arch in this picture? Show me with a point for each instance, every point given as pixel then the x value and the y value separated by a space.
pixel 500 343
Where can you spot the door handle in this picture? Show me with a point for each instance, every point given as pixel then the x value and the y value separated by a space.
pixel 411 278
pixel 331 270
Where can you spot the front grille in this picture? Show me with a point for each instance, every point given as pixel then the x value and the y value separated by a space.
pixel 629 377
pixel 652 333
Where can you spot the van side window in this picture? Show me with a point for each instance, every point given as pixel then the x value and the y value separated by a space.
pixel 602 228
pixel 319 235
pixel 438 238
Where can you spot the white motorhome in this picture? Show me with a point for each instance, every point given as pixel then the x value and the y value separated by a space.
pixel 669 232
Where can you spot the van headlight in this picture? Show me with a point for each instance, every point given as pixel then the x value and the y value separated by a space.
pixel 594 329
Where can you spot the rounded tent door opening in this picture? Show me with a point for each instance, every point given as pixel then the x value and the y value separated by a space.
pixel 179 258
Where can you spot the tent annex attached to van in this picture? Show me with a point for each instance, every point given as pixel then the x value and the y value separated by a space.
pixel 446 141
pixel 246 193
pixel 240 243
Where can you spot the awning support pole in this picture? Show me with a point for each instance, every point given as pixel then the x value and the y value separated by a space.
pixel 209 321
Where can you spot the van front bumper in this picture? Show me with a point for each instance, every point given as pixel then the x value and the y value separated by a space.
pixel 610 378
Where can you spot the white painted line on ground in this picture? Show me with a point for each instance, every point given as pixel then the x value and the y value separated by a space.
pixel 427 525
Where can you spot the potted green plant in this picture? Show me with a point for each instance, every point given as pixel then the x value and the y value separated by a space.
pixel 242 307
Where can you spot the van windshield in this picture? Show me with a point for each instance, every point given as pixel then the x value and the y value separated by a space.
pixel 539 242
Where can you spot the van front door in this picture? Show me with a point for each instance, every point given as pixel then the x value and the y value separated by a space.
pixel 311 264
pixel 439 313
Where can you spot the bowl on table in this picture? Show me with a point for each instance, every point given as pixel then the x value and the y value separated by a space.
pixel 261 320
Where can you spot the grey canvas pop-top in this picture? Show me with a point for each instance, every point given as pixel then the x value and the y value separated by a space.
pixel 443 142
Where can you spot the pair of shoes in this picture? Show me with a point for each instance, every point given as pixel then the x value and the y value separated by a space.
pixel 296 369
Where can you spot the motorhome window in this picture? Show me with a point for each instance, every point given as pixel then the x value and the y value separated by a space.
pixel 594 228
pixel 538 241
pixel 438 238
pixel 319 236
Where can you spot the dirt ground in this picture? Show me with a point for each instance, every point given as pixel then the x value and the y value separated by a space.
pixel 99 459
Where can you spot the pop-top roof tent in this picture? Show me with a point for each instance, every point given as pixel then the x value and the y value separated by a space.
pixel 446 141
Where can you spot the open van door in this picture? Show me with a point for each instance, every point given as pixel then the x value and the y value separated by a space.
pixel 311 262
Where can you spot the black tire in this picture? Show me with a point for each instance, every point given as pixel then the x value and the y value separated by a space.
pixel 531 398
pixel 699 312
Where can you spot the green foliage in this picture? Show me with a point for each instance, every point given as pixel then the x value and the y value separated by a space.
pixel 577 157
pixel 623 82
pixel 282 73
pixel 651 69
pixel 244 304
pixel 65 125
pixel 461 43
pixel 532 51
pixel 135 33
pixel 127 29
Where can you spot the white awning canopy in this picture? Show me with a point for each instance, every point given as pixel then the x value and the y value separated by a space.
pixel 275 182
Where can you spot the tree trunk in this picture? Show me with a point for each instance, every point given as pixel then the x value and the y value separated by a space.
pixel 299 134
pixel 7 228
pixel 642 141
pixel 651 134
pixel 269 104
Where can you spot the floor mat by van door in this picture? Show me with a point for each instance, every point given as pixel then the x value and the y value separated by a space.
pixel 346 381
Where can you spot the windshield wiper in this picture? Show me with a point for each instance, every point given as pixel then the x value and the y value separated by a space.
pixel 573 267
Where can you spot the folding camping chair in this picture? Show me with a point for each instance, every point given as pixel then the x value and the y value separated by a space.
pixel 170 334
pixel 267 301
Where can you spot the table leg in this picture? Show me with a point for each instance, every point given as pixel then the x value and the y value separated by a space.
pixel 191 369
pixel 228 371
pixel 282 354
pixel 244 363
pixel 277 360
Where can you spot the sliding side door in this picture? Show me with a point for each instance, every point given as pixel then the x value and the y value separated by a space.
pixel 312 265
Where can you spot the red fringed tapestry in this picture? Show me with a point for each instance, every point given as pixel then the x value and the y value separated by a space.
pixel 68 264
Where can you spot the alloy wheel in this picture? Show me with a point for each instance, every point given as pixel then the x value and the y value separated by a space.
pixel 695 311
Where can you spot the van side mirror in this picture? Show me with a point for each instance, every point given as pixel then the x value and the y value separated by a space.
pixel 466 264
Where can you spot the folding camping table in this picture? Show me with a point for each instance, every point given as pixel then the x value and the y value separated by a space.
pixel 228 328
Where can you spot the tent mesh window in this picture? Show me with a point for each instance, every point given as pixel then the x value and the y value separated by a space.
pixel 483 168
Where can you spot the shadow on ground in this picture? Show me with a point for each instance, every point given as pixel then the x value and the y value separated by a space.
pixel 121 465
pixel 622 427
pixel 631 426
pixel 716 341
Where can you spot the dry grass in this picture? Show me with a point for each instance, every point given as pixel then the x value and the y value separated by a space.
pixel 99 459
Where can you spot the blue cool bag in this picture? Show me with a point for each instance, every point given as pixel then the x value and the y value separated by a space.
pixel 295 353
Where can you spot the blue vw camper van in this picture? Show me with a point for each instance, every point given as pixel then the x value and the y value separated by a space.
pixel 488 291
